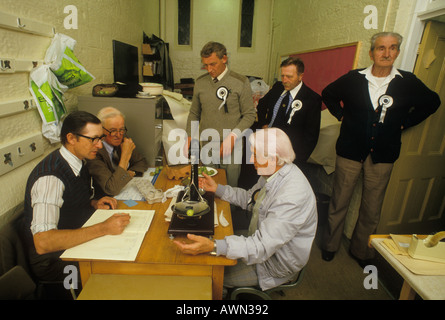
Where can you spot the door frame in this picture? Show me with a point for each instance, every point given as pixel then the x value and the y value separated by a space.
pixel 423 11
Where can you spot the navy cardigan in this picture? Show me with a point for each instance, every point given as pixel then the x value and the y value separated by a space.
pixel 361 133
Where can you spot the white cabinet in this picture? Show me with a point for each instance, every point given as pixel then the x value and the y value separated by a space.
pixel 143 119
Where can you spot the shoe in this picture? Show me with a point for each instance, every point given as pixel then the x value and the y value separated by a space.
pixel 327 255
pixel 362 262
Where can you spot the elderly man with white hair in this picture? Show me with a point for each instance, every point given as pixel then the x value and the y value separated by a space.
pixel 118 161
pixel 283 223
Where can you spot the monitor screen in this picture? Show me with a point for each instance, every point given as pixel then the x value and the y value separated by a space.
pixel 125 63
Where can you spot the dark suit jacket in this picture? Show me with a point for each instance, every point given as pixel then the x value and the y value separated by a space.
pixel 361 133
pixel 304 128
pixel 108 181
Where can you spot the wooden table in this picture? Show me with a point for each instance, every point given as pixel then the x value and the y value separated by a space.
pixel 428 287
pixel 158 254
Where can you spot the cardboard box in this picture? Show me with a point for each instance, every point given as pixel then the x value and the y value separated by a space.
pixel 146 49
pixel 146 70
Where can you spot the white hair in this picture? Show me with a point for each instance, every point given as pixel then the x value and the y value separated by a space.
pixel 109 112
pixel 386 34
pixel 273 142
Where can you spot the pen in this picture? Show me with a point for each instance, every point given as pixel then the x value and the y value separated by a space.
pixel 155 177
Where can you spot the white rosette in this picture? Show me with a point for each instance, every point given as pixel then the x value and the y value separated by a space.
pixel 385 101
pixel 222 93
pixel 296 105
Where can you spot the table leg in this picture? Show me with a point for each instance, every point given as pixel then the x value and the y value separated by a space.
pixel 217 282
pixel 407 293
pixel 85 271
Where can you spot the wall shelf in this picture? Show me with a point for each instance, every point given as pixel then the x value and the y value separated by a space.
pixel 9 21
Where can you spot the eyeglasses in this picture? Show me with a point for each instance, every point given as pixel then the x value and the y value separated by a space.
pixel 115 132
pixel 93 140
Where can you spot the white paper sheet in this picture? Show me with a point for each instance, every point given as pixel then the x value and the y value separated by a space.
pixel 131 191
pixel 123 247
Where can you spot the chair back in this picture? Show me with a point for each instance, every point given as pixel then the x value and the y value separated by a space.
pixel 15 279
pixel 12 250
pixel 16 284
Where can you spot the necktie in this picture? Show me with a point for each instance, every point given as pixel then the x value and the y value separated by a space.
pixel 215 80
pixel 115 156
pixel 280 108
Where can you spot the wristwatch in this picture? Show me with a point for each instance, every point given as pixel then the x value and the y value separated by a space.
pixel 213 252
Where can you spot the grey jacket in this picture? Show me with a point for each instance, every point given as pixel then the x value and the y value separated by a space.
pixel 287 224
pixel 205 105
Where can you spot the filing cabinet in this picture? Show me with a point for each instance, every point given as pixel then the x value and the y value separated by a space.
pixel 143 119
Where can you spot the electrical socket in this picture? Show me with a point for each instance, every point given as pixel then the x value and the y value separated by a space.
pixel 17 153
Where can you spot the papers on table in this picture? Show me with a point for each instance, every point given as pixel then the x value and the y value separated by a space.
pixel 123 247
pixel 131 191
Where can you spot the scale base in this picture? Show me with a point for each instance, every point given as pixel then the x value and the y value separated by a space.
pixel 202 225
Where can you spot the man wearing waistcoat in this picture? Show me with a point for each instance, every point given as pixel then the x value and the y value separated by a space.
pixel 379 102
pixel 59 199
pixel 222 101
pixel 293 107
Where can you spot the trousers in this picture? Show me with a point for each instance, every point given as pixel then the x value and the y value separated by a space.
pixel 375 181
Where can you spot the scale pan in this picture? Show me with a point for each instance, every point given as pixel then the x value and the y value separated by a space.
pixel 199 208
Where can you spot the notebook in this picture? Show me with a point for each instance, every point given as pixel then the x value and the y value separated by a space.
pixel 123 247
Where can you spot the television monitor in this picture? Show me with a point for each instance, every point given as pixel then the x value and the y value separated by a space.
pixel 125 63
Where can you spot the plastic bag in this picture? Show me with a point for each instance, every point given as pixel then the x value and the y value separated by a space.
pixel 259 90
pixel 64 64
pixel 47 92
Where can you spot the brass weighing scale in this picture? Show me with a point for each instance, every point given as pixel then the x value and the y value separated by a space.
pixel 193 211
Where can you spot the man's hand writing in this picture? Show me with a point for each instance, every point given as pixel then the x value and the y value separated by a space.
pixel 116 223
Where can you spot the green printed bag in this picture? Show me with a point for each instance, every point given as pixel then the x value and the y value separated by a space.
pixel 64 64
pixel 48 95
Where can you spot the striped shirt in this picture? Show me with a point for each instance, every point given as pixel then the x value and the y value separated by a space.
pixel 47 196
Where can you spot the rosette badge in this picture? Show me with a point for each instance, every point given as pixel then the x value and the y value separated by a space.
pixel 222 93
pixel 296 106
pixel 385 101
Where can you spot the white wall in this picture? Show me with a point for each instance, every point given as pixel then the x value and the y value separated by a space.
pixel 218 20
pixel 297 26
pixel 98 23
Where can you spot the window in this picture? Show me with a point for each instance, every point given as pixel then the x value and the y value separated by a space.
pixel 247 9
pixel 184 13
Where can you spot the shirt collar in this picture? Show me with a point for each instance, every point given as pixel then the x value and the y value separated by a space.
pixel 283 171
pixel 369 76
pixel 74 162
pixel 294 91
pixel 222 74
pixel 108 147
